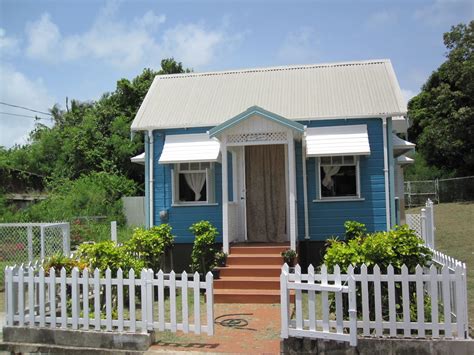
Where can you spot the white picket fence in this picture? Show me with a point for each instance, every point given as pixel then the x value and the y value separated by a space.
pixel 429 303
pixel 423 223
pixel 90 301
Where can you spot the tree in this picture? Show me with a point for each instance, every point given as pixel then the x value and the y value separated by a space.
pixel 443 113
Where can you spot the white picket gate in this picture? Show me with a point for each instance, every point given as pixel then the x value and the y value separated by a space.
pixel 423 223
pixel 90 301
pixel 429 303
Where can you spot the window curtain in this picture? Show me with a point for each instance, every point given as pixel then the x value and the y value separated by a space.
pixel 196 183
pixel 266 193
pixel 329 172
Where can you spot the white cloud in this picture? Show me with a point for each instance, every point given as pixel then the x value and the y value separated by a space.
pixel 445 12
pixel 301 46
pixel 127 44
pixel 380 18
pixel 8 45
pixel 408 94
pixel 22 91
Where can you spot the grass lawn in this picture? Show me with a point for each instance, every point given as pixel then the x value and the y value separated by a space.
pixel 455 237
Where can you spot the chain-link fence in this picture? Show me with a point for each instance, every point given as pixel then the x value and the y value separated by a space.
pixel 439 191
pixel 25 242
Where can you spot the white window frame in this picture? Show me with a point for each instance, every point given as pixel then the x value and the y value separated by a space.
pixel 210 183
pixel 357 197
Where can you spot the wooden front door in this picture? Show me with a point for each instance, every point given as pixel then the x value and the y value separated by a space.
pixel 265 193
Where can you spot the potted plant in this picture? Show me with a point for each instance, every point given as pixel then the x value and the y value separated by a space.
pixel 289 257
pixel 221 258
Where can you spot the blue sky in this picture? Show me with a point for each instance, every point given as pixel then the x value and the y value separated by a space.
pixel 79 49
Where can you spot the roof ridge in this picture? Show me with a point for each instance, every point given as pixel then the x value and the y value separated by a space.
pixel 275 68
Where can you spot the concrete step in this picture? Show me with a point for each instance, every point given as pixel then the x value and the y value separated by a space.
pixel 251 271
pixel 243 283
pixel 258 249
pixel 254 259
pixel 246 296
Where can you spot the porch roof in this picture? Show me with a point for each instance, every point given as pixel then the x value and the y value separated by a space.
pixel 401 146
pixel 189 148
pixel 255 110
pixel 337 140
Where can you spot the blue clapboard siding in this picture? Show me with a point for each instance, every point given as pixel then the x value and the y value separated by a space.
pixel 327 218
pixel 180 218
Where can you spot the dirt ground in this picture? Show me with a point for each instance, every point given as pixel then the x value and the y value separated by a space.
pixel 239 328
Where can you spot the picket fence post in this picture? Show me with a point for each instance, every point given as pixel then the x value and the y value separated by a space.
pixel 284 308
pixel 210 302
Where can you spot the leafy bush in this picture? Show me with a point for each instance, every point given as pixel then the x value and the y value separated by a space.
pixel 397 247
pixel 220 258
pixel 107 254
pixel 354 229
pixel 151 244
pixel 59 261
pixel 203 254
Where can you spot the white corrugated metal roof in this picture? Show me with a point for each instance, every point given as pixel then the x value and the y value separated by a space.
pixel 337 140
pixel 404 160
pixel 401 146
pixel 306 92
pixel 189 148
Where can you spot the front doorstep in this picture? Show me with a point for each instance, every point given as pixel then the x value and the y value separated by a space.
pixel 67 338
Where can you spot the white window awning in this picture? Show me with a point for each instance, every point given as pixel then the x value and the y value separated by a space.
pixel 181 148
pixel 401 146
pixel 337 140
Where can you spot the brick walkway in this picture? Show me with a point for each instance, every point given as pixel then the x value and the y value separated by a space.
pixel 239 328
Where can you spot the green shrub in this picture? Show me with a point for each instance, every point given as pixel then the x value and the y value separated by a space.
pixel 151 244
pixel 204 251
pixel 397 247
pixel 354 229
pixel 59 261
pixel 107 254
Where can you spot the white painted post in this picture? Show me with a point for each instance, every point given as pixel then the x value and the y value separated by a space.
pixel 161 301
pixel 292 188
pixel 352 306
pixel 378 301
pixel 430 222
pixel 225 198
pixel 445 284
pixel 30 243
pixel 173 301
pixel 284 306
pixel 420 302
pixel 42 302
pixel 210 303
pixel 184 301
pixel 365 300
pixel 66 229
pixel 108 300
pixel 63 299
pixel 391 301
pixel 298 300
pixel 75 298
pixel 21 297
pixel 120 299
pixel 9 303
pixel 338 297
pixel 197 304
pixel 113 231
pixel 131 299
pixel 31 296
pixel 461 318
pixel 434 301
pixel 405 302
pixel 85 299
pixel 311 300
pixel 52 297
pixel 324 296
pixel 97 316
pixel 143 300
pixel 423 224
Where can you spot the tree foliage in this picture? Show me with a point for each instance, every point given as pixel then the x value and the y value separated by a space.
pixel 87 139
pixel 443 113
